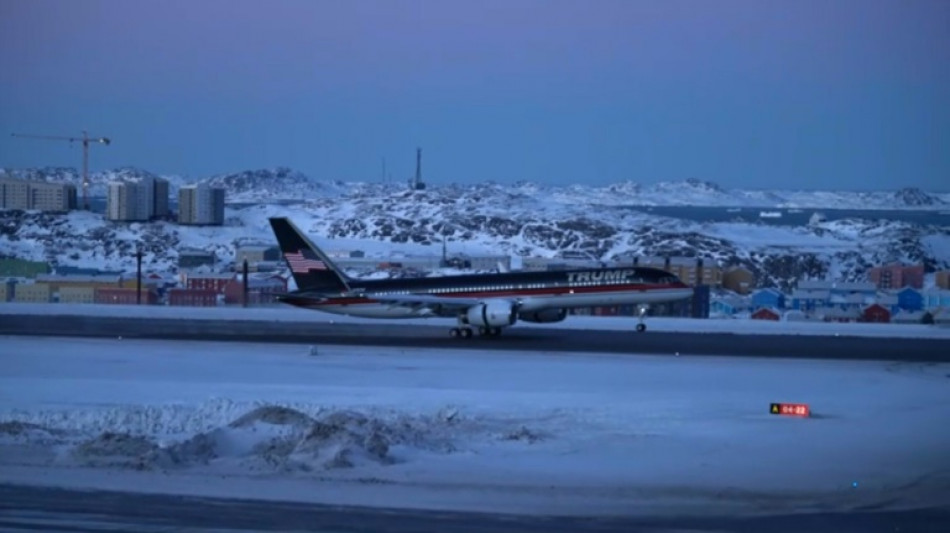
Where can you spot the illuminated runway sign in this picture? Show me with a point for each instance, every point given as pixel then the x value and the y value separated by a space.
pixel 790 409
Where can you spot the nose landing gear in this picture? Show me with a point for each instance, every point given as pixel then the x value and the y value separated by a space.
pixel 641 313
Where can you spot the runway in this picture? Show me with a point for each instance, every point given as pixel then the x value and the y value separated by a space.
pixel 27 508
pixel 548 339
pixel 35 508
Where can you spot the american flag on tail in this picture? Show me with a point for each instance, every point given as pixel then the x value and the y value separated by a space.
pixel 302 265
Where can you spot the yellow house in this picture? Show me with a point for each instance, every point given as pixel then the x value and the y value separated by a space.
pixel 738 279
pixel 32 293
pixel 77 295
pixel 57 282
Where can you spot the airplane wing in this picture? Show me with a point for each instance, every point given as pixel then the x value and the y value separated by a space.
pixel 446 306
pixel 428 300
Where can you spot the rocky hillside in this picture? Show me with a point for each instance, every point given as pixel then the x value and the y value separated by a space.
pixel 518 220
pixel 284 184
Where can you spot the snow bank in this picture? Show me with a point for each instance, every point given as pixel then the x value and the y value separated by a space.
pixel 545 433
pixel 264 438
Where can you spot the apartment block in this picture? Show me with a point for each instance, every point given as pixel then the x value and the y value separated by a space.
pixel 897 276
pixel 120 201
pixel 201 205
pixel 138 199
pixel 40 195
pixel 160 202
pixel 690 270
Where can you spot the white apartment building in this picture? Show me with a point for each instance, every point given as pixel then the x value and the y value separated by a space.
pixel 40 195
pixel 201 205
pixel 137 199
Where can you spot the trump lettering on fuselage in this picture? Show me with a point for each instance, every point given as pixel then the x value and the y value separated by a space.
pixel 600 276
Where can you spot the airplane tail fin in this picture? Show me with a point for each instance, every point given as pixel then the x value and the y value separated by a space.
pixel 310 267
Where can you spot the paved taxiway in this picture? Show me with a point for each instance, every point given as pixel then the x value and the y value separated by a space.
pixel 26 508
pixel 550 339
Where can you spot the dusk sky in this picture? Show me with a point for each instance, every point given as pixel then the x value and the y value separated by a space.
pixel 827 94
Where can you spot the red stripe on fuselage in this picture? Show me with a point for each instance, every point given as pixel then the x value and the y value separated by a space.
pixel 544 291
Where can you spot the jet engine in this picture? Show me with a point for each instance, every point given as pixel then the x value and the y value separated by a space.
pixel 544 315
pixel 493 314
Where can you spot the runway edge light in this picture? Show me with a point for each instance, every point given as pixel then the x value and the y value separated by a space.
pixel 790 409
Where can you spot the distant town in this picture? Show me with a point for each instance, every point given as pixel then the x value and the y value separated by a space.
pixel 893 293
pixel 138 199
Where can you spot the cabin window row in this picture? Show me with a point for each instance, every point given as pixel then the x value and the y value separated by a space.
pixel 527 286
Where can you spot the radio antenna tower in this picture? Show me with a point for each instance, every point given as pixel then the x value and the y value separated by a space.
pixel 417 184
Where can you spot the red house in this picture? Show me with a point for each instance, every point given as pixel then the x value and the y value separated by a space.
pixel 193 297
pixel 119 296
pixel 876 313
pixel 260 290
pixel 765 313
pixel 211 282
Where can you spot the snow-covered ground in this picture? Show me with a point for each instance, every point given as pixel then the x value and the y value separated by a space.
pixel 516 431
pixel 516 221
pixel 282 183
pixel 668 324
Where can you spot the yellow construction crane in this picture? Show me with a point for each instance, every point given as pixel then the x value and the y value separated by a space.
pixel 85 140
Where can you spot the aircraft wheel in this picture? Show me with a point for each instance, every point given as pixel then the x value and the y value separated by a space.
pixel 467 333
pixel 494 332
pixel 641 327
pixel 455 332
pixel 483 331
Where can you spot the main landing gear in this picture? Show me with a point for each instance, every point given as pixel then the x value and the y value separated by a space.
pixel 460 333
pixel 641 313
pixel 467 333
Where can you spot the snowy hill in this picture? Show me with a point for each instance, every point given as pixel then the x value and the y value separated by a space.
pixel 524 219
pixel 98 181
pixel 912 196
pixel 486 218
pixel 272 185
pixel 284 184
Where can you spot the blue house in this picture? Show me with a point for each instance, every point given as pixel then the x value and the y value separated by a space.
pixel 839 288
pixel 844 295
pixel 910 299
pixel 936 298
pixel 809 300
pixel 768 298
pixel 728 305
pixel 889 301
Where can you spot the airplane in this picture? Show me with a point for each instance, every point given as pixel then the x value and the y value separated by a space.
pixel 488 302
